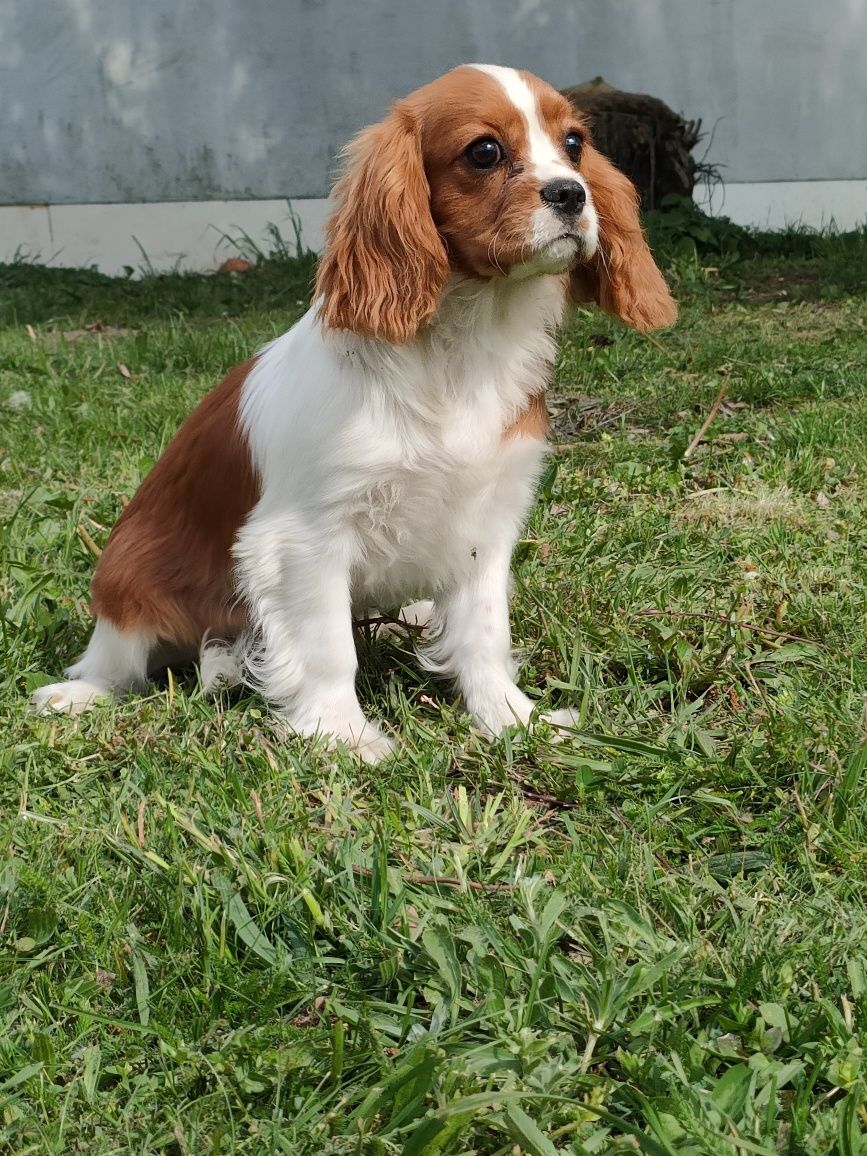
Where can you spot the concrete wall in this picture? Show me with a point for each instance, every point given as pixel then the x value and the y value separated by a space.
pixel 156 100
pixel 233 106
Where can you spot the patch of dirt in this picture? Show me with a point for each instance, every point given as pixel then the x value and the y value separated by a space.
pixel 781 318
pixel 730 508
pixel 98 329
pixel 52 338
pixel 773 285
pixel 573 417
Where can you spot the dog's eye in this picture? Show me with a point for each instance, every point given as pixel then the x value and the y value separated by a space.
pixel 573 145
pixel 484 153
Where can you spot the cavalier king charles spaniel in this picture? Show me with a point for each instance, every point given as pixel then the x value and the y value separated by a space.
pixel 387 447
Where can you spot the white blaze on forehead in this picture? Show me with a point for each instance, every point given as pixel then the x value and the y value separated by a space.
pixel 545 157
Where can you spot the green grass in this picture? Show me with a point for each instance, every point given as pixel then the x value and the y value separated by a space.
pixel 651 937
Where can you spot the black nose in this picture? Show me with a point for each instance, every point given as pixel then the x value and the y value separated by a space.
pixel 564 195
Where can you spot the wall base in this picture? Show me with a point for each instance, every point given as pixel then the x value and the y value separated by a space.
pixel 192 235
pixel 780 204
pixel 165 235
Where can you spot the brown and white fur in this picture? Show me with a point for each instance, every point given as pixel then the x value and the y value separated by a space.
pixel 387 447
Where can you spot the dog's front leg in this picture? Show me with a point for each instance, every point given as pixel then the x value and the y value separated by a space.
pixel 296 586
pixel 472 642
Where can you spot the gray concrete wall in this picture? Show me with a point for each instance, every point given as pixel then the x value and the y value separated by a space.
pixel 138 100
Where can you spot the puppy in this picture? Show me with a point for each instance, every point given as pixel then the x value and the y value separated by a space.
pixel 386 448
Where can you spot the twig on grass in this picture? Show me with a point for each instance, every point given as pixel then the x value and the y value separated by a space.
pixel 724 620
pixel 534 796
pixel 705 425
pixel 537 798
pixel 440 881
pixel 89 542
pixel 411 629
pixel 804 819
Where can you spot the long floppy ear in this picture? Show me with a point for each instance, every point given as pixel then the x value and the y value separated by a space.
pixel 384 265
pixel 622 276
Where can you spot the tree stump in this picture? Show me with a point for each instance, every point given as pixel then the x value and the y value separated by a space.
pixel 643 136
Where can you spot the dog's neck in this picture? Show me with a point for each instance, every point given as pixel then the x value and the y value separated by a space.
pixel 503 309
pixel 499 330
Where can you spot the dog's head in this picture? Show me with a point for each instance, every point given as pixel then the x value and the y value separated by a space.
pixel 487 172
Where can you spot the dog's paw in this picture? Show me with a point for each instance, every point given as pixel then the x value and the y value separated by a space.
pixel 220 665
pixel 418 614
pixel 355 734
pixel 373 748
pixel 72 697
pixel 560 718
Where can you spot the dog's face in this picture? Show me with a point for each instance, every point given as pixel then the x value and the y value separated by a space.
pixel 506 190
pixel 486 172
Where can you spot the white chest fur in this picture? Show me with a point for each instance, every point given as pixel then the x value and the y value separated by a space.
pixel 397 453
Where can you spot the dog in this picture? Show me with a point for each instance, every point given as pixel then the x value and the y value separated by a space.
pixel 387 447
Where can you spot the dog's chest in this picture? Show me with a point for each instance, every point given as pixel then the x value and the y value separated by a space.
pixel 421 487
pixel 438 491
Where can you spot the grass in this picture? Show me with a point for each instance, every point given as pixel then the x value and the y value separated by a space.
pixel 652 937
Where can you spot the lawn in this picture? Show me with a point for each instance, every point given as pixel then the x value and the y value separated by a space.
pixel 653 936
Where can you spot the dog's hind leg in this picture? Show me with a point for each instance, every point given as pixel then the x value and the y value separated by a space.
pixel 114 661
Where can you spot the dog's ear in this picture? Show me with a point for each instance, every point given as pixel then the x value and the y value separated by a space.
pixel 621 277
pixel 385 265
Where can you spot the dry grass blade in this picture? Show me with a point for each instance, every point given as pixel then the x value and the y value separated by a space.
pixel 450 881
pixel 724 620
pixel 706 424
